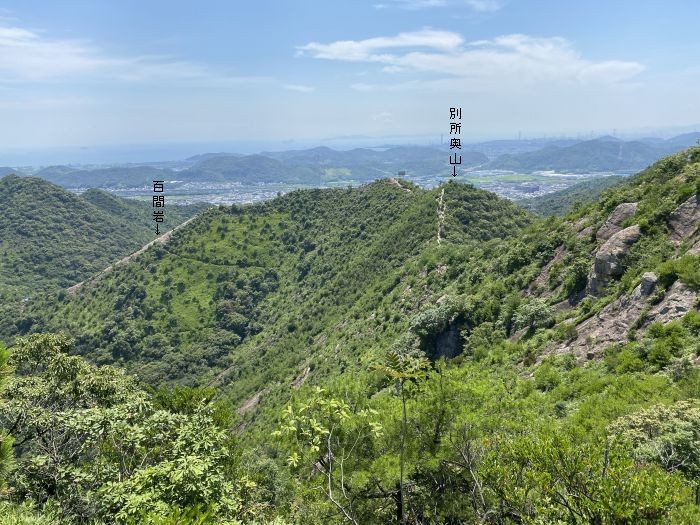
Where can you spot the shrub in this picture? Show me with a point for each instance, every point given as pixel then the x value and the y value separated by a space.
pixel 686 269
pixel 547 377
pixel 534 314
pixel 666 435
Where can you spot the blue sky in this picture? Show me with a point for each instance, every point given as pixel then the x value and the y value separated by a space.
pixel 84 73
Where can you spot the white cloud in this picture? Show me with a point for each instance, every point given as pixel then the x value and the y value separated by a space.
pixel 24 55
pixel 368 50
pixel 480 6
pixel 299 87
pixel 29 56
pixel 516 59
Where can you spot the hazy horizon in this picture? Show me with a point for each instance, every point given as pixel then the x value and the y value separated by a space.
pixel 271 74
pixel 173 151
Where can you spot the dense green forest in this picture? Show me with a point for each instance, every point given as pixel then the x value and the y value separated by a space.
pixel 121 176
pixel 51 239
pixel 381 354
pixel 271 276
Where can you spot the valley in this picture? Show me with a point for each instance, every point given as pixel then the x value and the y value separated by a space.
pixel 300 316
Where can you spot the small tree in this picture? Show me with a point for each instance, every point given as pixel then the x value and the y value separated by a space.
pixel 88 438
pixel 403 368
pixel 323 431
pixel 533 315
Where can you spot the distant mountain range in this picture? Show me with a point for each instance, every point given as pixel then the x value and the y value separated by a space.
pixel 312 166
pixel 602 154
pixel 322 165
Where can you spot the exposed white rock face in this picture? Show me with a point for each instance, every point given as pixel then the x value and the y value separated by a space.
pixel 614 223
pixel 612 324
pixel 684 221
pixel 607 327
pixel 678 301
pixel 609 260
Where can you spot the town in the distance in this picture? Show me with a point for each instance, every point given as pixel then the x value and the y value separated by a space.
pixel 516 169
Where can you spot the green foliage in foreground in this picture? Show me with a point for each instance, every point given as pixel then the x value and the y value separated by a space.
pixel 92 445
pixel 398 443
pixel 5 439
pixel 484 444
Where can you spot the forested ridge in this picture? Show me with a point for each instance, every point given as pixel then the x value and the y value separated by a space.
pixel 51 238
pixel 381 354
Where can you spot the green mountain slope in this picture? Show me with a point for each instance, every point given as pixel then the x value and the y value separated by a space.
pixel 441 355
pixel 271 274
pixel 131 212
pixel 51 238
pixel 250 169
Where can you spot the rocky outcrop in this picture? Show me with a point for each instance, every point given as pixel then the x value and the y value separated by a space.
pixel 609 260
pixel 581 228
pixel 678 301
pixel 634 311
pixel 684 221
pixel 648 283
pixel 586 232
pixel 448 344
pixel 251 403
pixel 617 218
pixel 695 250
pixel 612 323
pixel 301 378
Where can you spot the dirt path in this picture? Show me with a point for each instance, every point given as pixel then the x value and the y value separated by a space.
pixel 440 215
pixel 163 239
